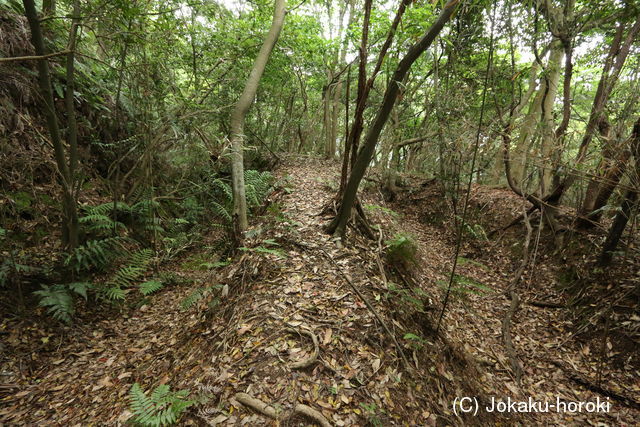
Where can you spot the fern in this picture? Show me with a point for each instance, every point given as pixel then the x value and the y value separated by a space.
pixel 463 286
pixel 474 230
pixel 80 288
pixel 162 408
pixel 257 186
pixel 150 286
pixel 144 206
pixel 223 188
pixel 114 293
pixel 143 215
pixel 99 223
pixel 401 250
pixel 108 208
pixel 96 253
pixel 128 275
pixel 58 299
pixel 222 211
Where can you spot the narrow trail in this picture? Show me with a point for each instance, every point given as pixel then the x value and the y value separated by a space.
pixel 283 290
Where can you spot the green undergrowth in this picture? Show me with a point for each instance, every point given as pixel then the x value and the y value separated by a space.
pixel 123 245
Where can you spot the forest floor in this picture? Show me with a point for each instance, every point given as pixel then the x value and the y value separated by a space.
pixel 283 324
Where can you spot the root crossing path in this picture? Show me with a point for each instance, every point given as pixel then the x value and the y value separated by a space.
pixel 299 329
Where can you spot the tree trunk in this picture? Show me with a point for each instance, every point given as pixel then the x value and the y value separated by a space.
pixel 72 128
pixel 608 174
pixel 631 197
pixel 239 114
pixel 338 225
pixel 548 144
pixel 525 136
pixel 69 226
pixel 334 88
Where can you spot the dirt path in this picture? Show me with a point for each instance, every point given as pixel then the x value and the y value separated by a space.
pixel 284 288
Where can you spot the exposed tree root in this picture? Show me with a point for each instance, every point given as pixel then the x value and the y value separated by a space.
pixel 257 405
pixel 305 363
pixel 516 366
pixel 309 412
pixel 269 411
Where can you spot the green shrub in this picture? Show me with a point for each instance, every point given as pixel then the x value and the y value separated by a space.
pixel 401 250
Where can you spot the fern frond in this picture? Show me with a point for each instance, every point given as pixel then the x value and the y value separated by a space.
pixel 149 287
pixel 141 404
pixel 96 253
pixel 221 211
pixel 162 408
pixel 144 206
pixel 80 288
pixel 58 301
pixel 224 188
pixel 195 296
pixel 114 293
pixel 107 208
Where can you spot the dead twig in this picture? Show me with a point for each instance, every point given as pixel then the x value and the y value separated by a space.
pixel 34 57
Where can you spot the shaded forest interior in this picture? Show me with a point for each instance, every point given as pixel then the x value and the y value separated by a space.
pixel 319 212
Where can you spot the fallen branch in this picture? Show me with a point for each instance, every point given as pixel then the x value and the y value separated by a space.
pixel 305 363
pixel 372 310
pixel 269 411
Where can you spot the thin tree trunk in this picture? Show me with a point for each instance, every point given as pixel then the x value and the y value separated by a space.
pixel 548 144
pixel 69 233
pixel 338 225
pixel 72 128
pixel 239 114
